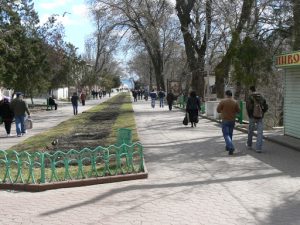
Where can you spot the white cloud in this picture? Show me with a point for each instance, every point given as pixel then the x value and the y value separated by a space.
pixel 44 18
pixel 54 4
pixel 80 10
pixel 173 2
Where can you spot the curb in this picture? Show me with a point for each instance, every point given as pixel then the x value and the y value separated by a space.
pixel 76 183
pixel 73 183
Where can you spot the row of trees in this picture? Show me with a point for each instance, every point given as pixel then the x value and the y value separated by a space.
pixel 236 40
pixel 34 58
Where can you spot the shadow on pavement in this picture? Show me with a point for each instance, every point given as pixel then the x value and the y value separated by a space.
pixel 155 186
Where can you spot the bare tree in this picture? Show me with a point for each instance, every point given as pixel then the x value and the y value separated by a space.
pixel 222 69
pixel 296 11
pixel 195 18
pixel 145 19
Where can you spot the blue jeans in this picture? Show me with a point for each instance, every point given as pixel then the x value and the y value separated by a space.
pixel 161 102
pixel 227 129
pixel 259 138
pixel 20 124
pixel 75 109
pixel 153 102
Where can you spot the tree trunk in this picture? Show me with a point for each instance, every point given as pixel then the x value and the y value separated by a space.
pixel 296 10
pixel 222 69
pixel 158 74
pixel 150 77
pixel 198 82
pixel 192 49
pixel 238 90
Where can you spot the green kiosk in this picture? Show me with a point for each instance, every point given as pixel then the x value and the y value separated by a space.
pixel 290 63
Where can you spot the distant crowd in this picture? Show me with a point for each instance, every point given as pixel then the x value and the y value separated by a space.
pixel 140 94
pixel 100 93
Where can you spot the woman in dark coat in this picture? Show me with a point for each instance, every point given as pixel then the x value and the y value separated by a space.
pixel 170 99
pixel 192 108
pixel 7 115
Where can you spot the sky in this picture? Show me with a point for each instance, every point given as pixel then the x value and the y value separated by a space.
pixel 73 14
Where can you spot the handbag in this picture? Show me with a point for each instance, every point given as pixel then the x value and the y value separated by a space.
pixel 186 119
pixel 28 123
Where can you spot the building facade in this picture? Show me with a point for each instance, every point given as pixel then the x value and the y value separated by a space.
pixel 290 63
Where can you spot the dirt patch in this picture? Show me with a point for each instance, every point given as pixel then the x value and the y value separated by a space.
pixel 94 131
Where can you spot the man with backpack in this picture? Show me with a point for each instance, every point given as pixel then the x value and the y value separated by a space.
pixel 256 108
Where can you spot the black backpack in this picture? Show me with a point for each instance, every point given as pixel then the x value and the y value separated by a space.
pixel 258 106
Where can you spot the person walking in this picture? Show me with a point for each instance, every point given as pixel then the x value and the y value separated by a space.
pixel 7 115
pixel 93 93
pixel 134 94
pixel 228 109
pixel 153 97
pixel 192 108
pixel 20 108
pixel 161 95
pixel 74 100
pixel 146 94
pixel 170 99
pixel 82 98
pixel 256 106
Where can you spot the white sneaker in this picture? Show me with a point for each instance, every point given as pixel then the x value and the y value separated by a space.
pixel 8 135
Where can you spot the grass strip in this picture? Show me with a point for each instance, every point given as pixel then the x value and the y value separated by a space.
pixel 82 122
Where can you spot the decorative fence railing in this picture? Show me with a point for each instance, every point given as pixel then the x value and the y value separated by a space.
pixel 43 167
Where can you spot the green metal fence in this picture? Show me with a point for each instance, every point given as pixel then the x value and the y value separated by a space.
pixel 239 116
pixel 180 102
pixel 42 167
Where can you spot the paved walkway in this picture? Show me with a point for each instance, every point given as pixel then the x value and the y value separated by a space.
pixel 192 180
